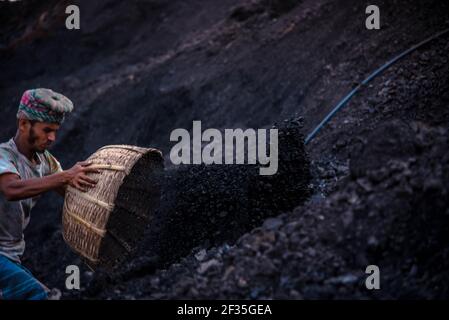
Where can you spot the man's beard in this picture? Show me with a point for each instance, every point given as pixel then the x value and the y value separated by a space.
pixel 32 138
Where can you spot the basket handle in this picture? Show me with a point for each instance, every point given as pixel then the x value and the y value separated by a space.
pixel 105 166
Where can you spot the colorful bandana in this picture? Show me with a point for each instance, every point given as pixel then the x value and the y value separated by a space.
pixel 44 105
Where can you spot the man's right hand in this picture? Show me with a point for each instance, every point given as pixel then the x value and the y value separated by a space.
pixel 77 176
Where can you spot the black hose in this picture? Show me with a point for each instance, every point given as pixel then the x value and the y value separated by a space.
pixel 343 102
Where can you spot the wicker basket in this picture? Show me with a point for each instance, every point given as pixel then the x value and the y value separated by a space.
pixel 105 224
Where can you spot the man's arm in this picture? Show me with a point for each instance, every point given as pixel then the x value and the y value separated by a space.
pixel 15 188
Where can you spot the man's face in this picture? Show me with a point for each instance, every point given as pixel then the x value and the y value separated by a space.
pixel 41 135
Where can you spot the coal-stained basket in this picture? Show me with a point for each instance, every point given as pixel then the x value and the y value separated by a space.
pixel 105 224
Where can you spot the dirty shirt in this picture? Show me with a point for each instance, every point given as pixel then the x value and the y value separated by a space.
pixel 15 215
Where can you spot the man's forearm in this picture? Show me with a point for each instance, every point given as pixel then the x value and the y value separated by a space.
pixel 23 189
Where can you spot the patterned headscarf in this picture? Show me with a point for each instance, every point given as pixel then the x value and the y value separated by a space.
pixel 44 105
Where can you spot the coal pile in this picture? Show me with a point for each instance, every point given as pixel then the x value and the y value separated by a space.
pixel 391 216
pixel 379 197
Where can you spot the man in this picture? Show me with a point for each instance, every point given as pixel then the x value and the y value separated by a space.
pixel 27 170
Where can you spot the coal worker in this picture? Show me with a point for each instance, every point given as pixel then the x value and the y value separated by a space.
pixel 27 169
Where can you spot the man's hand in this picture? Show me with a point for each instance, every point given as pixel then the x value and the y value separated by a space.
pixel 77 176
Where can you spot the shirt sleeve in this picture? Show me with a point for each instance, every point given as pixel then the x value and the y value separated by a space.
pixel 7 164
pixel 53 164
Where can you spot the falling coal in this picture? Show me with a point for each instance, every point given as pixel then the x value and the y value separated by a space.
pixel 206 205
